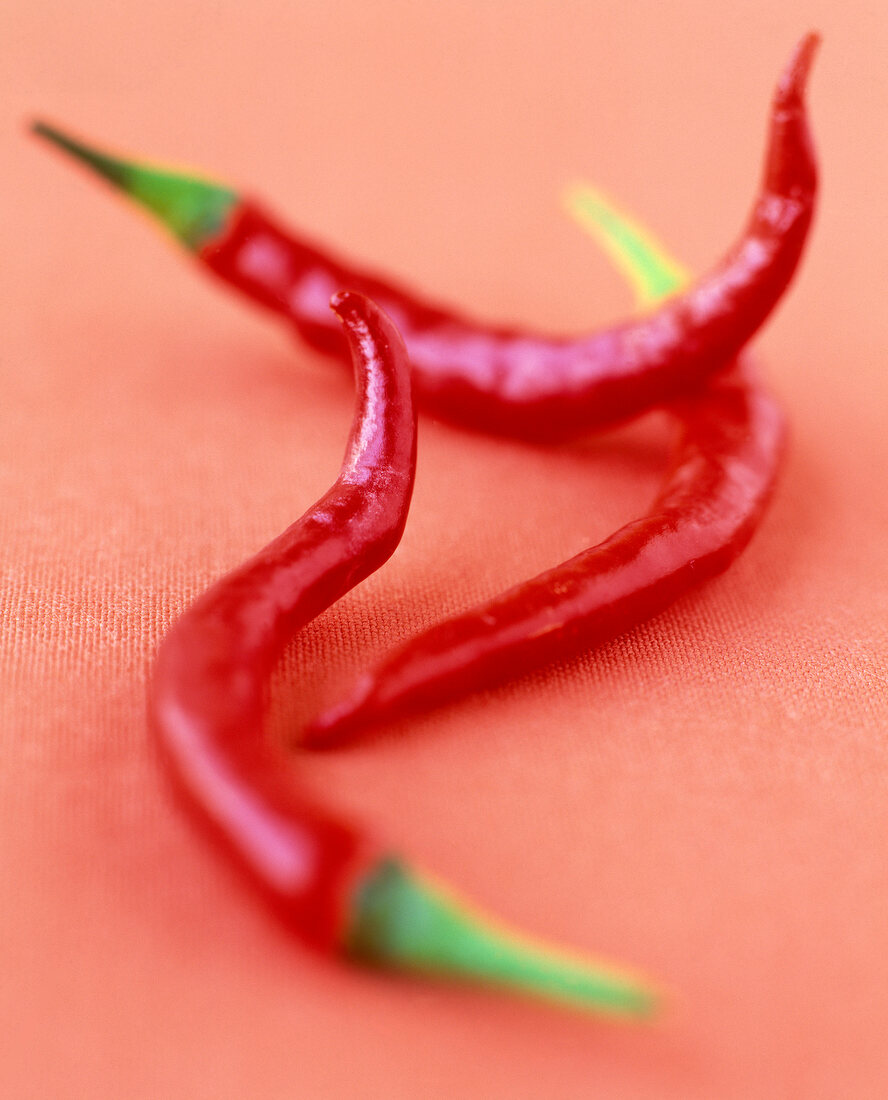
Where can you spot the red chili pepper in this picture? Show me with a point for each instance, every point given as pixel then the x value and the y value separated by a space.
pixel 497 378
pixel 707 510
pixel 723 473
pixel 335 887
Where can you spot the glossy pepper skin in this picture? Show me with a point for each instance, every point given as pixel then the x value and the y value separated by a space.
pixel 213 665
pixel 723 473
pixel 335 887
pixel 499 379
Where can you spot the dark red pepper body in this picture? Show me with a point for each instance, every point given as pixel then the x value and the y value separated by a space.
pixel 213 666
pixel 538 387
pixel 723 474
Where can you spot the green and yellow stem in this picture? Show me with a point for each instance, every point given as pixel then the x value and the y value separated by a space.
pixel 194 210
pixel 640 258
pixel 404 921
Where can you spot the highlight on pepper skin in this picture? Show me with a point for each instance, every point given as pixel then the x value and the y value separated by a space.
pixel 499 379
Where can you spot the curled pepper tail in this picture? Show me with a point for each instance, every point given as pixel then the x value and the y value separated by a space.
pixel 194 210
pixel 401 920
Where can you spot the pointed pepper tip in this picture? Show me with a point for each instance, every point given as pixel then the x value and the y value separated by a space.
pixel 341 721
pixel 794 79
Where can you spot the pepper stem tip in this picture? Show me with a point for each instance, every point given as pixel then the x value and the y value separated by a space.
pixel 194 210
pixel 638 256
pixel 402 921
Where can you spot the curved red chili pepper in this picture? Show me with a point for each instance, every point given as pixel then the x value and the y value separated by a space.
pixel 334 887
pixel 497 378
pixel 723 474
pixel 721 429
pixel 213 665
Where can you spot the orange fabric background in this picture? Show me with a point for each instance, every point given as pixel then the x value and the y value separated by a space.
pixel 706 798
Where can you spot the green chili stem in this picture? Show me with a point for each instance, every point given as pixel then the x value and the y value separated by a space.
pixel 402 921
pixel 640 258
pixel 192 209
